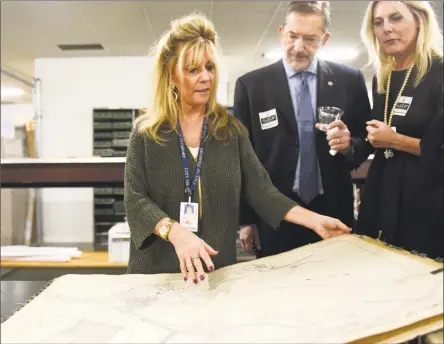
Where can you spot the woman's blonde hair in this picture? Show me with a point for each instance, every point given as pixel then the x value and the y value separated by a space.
pixel 429 43
pixel 193 37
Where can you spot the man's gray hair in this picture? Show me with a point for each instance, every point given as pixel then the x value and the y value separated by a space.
pixel 309 7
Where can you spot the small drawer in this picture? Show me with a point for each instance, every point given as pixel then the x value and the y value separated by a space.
pixel 104 200
pixel 103 191
pixel 103 144
pixel 103 126
pixel 122 125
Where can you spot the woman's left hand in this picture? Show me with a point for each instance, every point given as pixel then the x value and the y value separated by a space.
pixel 380 135
pixel 328 227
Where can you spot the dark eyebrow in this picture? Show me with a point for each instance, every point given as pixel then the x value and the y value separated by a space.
pixel 390 15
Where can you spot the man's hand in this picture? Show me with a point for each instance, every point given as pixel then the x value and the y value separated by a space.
pixel 380 135
pixel 249 238
pixel 338 136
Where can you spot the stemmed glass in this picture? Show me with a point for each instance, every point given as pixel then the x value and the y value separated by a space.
pixel 327 115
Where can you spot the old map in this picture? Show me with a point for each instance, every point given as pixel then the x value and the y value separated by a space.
pixel 339 290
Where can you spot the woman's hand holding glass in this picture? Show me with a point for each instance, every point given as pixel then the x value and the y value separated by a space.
pixel 191 251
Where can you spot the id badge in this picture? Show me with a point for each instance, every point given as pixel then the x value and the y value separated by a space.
pixel 403 106
pixel 189 216
pixel 268 119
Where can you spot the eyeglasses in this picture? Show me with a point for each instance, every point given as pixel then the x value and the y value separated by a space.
pixel 309 41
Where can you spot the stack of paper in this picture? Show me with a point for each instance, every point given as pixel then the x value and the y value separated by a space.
pixel 40 254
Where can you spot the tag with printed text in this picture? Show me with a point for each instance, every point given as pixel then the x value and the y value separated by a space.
pixel 403 106
pixel 268 119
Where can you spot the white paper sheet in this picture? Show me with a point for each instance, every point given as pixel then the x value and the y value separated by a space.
pixel 43 253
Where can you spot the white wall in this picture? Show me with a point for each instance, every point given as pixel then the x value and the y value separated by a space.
pixel 17 114
pixel 71 88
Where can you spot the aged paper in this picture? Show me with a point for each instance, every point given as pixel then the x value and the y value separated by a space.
pixel 336 291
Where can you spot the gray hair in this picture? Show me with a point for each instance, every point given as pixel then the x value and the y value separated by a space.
pixel 311 7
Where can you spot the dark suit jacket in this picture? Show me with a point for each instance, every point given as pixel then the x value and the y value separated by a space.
pixel 278 148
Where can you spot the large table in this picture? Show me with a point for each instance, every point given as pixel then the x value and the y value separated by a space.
pixel 82 172
pixel 312 270
pixel 17 293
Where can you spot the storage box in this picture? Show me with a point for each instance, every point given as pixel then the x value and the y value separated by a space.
pixel 119 243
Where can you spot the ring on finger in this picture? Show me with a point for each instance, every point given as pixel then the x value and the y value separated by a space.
pixel 337 141
pixel 195 258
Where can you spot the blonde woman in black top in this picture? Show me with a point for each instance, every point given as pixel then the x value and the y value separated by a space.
pixel 405 43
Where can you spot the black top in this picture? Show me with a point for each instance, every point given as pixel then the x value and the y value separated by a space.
pixel 397 199
pixel 432 152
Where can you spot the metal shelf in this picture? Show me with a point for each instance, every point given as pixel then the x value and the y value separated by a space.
pixel 111 132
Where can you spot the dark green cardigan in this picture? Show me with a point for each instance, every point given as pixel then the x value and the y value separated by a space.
pixel 154 188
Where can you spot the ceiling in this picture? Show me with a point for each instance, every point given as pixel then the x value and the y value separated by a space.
pixel 247 29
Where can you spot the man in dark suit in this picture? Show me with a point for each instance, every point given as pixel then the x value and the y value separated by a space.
pixel 278 105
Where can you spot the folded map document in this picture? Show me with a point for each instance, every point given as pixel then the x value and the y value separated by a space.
pixel 340 290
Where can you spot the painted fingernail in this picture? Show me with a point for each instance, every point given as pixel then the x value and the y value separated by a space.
pixel 195 281
pixel 211 268
pixel 185 279
pixel 202 277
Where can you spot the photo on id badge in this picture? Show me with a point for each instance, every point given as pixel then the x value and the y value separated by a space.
pixel 189 215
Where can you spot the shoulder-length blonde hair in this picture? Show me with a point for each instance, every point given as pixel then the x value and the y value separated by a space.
pixel 191 37
pixel 429 43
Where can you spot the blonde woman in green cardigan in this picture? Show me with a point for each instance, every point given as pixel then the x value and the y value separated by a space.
pixel 188 151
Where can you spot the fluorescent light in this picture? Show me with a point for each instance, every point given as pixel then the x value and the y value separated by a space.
pixel 11 92
pixel 338 55
pixel 325 54
pixel 274 55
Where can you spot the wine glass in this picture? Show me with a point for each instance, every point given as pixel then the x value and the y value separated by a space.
pixel 327 115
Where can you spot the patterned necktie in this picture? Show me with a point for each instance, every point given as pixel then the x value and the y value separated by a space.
pixel 308 161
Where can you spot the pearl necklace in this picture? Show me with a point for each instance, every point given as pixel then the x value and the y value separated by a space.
pixel 388 153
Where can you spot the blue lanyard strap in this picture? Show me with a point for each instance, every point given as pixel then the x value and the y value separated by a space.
pixel 189 187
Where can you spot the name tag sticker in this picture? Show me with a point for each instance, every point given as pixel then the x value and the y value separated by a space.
pixel 403 106
pixel 268 119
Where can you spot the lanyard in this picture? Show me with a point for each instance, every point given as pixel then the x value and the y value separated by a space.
pixel 189 187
